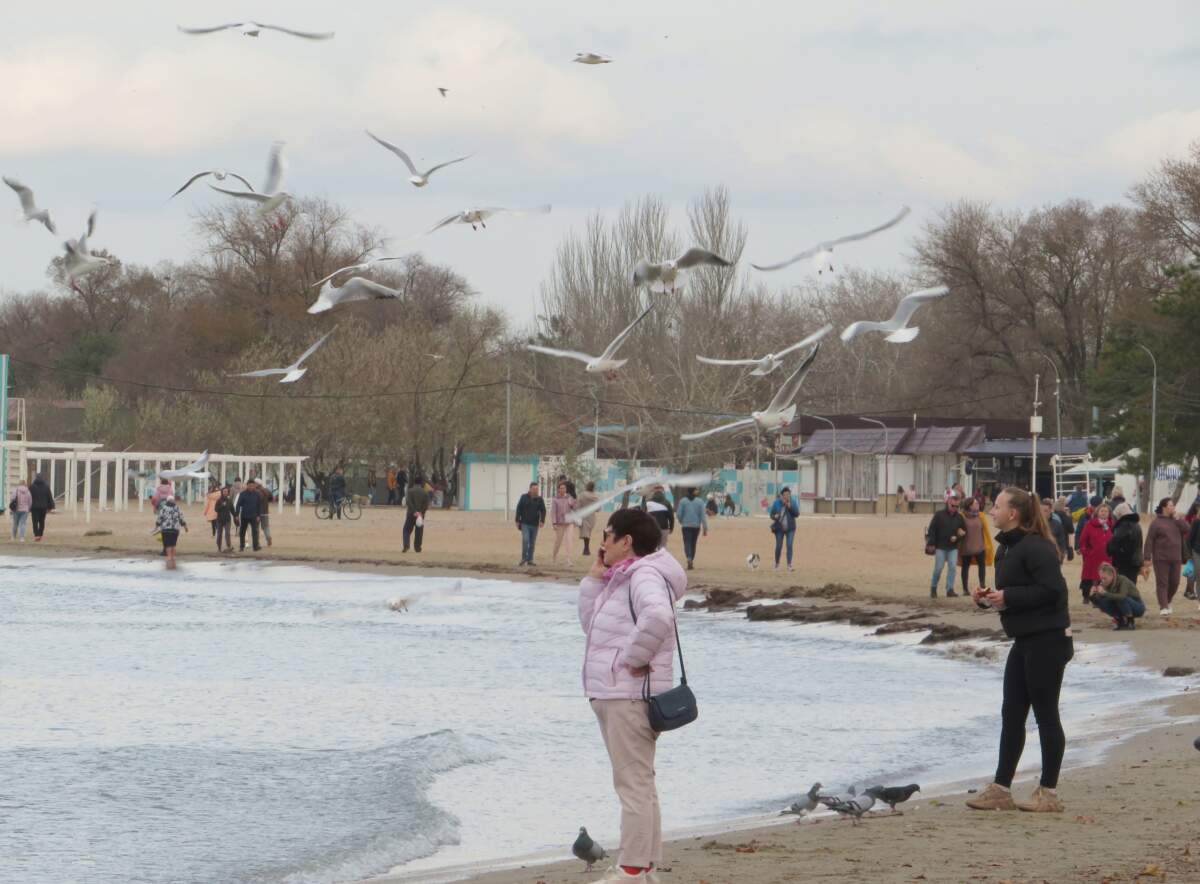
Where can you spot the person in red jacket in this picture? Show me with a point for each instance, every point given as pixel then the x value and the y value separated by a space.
pixel 1093 543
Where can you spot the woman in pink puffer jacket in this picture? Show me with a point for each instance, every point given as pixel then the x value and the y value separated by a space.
pixel 627 609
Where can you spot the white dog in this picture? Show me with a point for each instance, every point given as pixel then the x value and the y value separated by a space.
pixel 752 561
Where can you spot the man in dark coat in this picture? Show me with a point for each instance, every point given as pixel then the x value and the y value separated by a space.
pixel 247 511
pixel 416 502
pixel 946 530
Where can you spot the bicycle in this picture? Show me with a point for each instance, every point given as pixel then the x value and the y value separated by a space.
pixel 346 508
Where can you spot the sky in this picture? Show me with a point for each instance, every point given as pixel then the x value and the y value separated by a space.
pixel 820 119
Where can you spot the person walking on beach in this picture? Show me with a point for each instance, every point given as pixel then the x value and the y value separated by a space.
pixel 223 509
pixel 247 510
pixel 946 530
pixel 1057 530
pixel 1125 546
pixel 1093 549
pixel 391 485
pixel 264 514
pixel 19 504
pixel 41 502
pixel 1031 596
pixel 627 611
pixel 588 523
pixel 164 489
pixel 416 502
pixel 911 497
pixel 401 485
pixel 1164 550
pixel 692 520
pixel 1193 546
pixel 899 497
pixel 167 521
pixel 531 515
pixel 210 508
pixel 783 512
pixel 561 507
pixel 1118 597
pixel 977 547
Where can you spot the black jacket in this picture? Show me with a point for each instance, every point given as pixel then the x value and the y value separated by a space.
pixel 1059 530
pixel 531 510
pixel 1125 545
pixel 337 487
pixel 1194 537
pixel 1035 592
pixel 224 510
pixel 43 498
pixel 664 517
pixel 943 527
pixel 249 505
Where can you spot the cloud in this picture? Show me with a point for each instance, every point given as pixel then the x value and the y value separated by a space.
pixel 1139 146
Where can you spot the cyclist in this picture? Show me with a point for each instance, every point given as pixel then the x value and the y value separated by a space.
pixel 337 490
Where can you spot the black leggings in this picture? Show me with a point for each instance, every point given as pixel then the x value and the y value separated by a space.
pixel 1033 678
pixel 965 565
pixel 38 517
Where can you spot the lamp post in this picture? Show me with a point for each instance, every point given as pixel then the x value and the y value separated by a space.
pixel 1148 496
pixel 1035 427
pixel 887 484
pixel 833 461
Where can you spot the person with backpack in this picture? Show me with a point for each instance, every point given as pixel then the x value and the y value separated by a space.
pixel 783 512
pixel 1124 548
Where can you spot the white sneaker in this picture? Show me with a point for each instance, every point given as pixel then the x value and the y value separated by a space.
pixel 776 566
pixel 790 568
pixel 616 873
pixel 1164 612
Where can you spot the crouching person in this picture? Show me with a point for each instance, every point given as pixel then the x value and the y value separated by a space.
pixel 1118 597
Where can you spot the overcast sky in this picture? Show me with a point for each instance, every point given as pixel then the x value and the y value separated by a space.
pixel 819 119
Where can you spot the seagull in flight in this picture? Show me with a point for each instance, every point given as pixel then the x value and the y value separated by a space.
pixel 272 195
pixel 194 470
pixel 777 415
pixel 822 252
pixel 900 332
pixel 686 480
pixel 219 174
pixel 418 179
pixel 291 373
pixel 443 90
pixel 78 259
pixel 606 363
pixel 771 361
pixel 478 217
pixel 663 276
pixel 29 206
pixel 253 28
pixel 591 58
pixel 356 288
pixel 357 267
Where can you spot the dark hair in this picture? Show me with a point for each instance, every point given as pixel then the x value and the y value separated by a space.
pixel 590 486
pixel 533 484
pixel 785 490
pixel 1029 510
pixel 1162 505
pixel 638 527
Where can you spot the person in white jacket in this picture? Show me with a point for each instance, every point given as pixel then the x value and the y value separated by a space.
pixel 627 610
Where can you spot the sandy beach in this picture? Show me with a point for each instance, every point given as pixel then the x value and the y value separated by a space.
pixel 1132 817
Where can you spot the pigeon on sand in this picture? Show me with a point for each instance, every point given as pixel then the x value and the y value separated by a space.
pixel 854 808
pixel 29 206
pixel 587 850
pixel 663 276
pixel 807 804
pixel 893 795
pixel 418 179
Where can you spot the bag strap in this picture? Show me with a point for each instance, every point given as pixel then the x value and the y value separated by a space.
pixel 678 646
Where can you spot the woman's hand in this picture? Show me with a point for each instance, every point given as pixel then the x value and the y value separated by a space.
pixel 598 567
pixel 995 597
pixel 639 670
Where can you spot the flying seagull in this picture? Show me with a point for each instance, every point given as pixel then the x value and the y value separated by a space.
pixel 662 277
pixel 253 28
pixel 591 58
pixel 771 361
pixel 807 804
pixel 78 259
pixel 272 195
pixel 893 795
pixel 291 373
pixel 29 206
pixel 219 174
pixel 687 480
pixel 442 90
pixel 900 332
pixel 777 415
pixel 822 252
pixel 587 850
pixel 356 288
pixel 479 216
pixel 194 470
pixel 606 363
pixel 356 267
pixel 418 179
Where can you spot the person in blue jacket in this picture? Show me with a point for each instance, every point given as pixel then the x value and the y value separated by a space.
pixel 784 512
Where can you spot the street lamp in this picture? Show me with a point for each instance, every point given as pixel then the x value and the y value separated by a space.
pixel 1057 416
pixel 1153 422
pixel 833 460
pixel 887 484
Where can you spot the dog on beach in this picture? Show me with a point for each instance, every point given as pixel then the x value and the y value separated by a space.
pixel 398 604
pixel 752 561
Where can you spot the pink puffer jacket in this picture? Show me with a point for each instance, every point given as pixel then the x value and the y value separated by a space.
pixel 23 498
pixel 615 644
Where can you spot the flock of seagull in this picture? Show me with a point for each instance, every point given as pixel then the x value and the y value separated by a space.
pixel 663 276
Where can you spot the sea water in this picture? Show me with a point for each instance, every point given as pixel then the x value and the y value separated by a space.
pixel 240 722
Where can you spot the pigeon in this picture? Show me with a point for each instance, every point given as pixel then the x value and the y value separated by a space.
pixel 272 195
pixel 893 795
pixel 771 361
pixel 253 28
pixel 777 415
pixel 418 179
pixel 822 252
pixel 697 480
pixel 29 206
pixel 830 800
pixel 752 561
pixel 807 804
pixel 587 849
pixel 194 470
pixel 356 288
pixel 479 216
pixel 854 808
pixel 219 174
pixel 606 363
pixel 79 260
pixel 900 333
pixel 291 373
pixel 591 58
pixel 662 277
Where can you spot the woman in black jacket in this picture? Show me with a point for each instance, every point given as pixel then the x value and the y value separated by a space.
pixel 1031 596
pixel 42 503
pixel 1125 545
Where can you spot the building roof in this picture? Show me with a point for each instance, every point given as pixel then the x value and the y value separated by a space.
pixel 1047 445
pixel 923 440
pixel 851 441
pixel 998 428
pixel 940 440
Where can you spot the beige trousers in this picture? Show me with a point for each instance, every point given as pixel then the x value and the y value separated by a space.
pixel 630 743
pixel 563 533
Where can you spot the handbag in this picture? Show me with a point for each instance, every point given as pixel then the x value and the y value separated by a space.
pixel 675 707
pixel 930 548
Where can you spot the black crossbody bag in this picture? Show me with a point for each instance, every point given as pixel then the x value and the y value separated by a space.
pixel 674 708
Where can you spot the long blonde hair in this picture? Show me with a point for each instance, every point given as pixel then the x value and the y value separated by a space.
pixel 1029 511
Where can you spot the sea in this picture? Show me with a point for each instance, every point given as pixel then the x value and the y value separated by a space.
pixel 244 721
